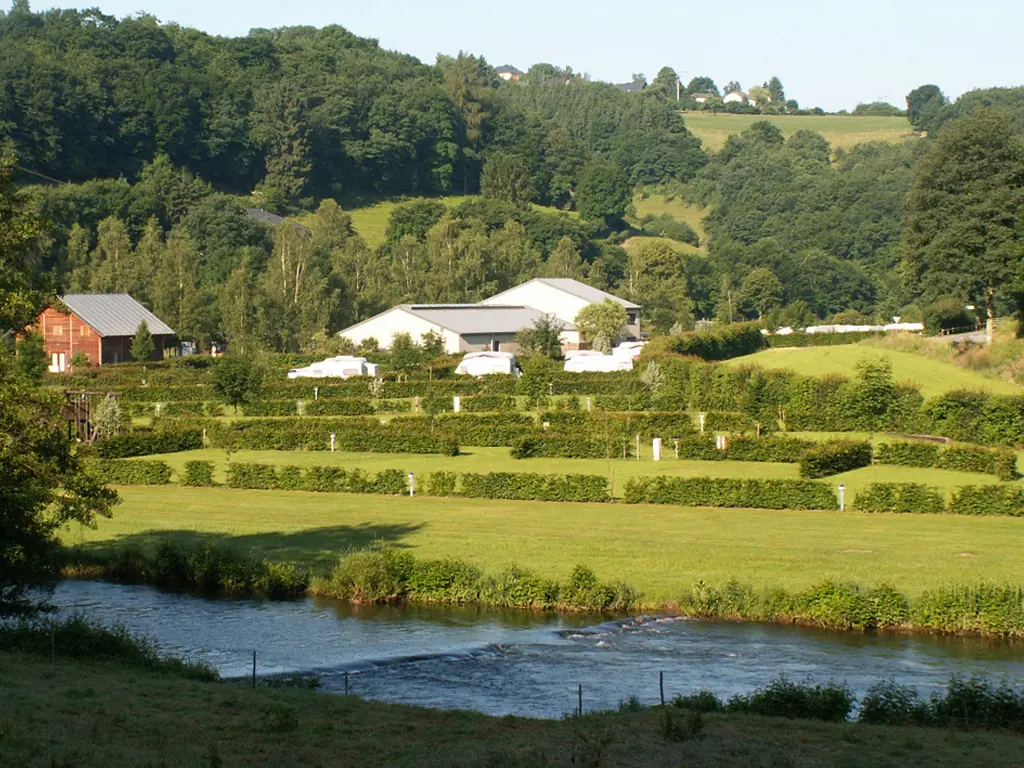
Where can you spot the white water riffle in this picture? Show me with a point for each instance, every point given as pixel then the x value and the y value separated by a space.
pixel 521 663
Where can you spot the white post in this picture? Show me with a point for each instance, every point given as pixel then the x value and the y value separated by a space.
pixel 332 442
pixel 300 407
pixel 158 408
pixel 638 447
pixel 842 497
pixel 457 404
pixel 703 416
pixel 204 437
pixel 316 393
pixel 412 484
pixel 588 404
pixel 656 448
pixel 676 441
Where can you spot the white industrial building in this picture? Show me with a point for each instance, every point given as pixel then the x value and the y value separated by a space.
pixel 492 324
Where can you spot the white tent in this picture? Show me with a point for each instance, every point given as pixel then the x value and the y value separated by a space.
pixel 343 366
pixel 596 362
pixel 485 363
pixel 629 349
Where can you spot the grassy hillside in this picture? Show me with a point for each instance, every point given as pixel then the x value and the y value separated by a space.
pixel 659 550
pixel 102 714
pixel 844 131
pixel 934 377
pixel 372 220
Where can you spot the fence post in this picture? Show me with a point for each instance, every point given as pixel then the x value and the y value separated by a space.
pixel 842 497
pixel 346 682
pixel 412 485
pixel 254 668
pixel 661 687
pixel 579 710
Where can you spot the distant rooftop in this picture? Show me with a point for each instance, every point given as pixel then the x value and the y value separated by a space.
pixel 631 87
pixel 574 288
pixel 114 314
pixel 508 69
pixel 477 318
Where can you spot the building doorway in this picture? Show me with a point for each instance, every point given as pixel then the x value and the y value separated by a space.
pixel 58 363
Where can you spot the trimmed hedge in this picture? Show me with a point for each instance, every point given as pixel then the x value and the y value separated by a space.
pixel 189 393
pixel 479 403
pixel 147 443
pixel 822 339
pixel 351 434
pixel 961 458
pixel 316 479
pixel 775 448
pixel 988 500
pixel 728 492
pixel 719 343
pixel 121 472
pixel 572 445
pixel 907 454
pixel 197 474
pixel 535 487
pixel 727 421
pixel 915 498
pixel 834 458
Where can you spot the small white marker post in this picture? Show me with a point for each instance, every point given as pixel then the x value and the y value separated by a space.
pixel 638 447
pixel 588 404
pixel 842 497
pixel 656 448
pixel 412 484
pixel 457 404
pixel 703 416
pixel 676 441
pixel 316 393
pixel 332 442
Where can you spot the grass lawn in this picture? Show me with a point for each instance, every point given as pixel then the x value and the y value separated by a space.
pixel 660 550
pixel 680 210
pixel 371 221
pixel 101 714
pixel 845 131
pixel 934 377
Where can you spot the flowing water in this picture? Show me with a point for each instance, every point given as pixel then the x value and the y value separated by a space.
pixel 520 663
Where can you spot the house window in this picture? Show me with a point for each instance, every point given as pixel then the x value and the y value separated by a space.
pixel 58 330
pixel 82 330
pixel 495 345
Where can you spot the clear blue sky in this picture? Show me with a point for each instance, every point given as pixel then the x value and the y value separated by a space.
pixel 827 54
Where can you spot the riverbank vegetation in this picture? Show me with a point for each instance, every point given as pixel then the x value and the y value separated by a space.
pixel 134 717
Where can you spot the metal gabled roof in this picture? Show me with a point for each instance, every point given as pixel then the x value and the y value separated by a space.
pixel 573 288
pixel 478 318
pixel 114 314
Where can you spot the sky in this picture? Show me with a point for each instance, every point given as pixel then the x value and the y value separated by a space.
pixel 827 54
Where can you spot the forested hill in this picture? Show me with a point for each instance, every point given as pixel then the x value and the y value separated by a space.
pixel 304 113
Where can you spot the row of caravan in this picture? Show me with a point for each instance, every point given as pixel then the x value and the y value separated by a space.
pixel 479 364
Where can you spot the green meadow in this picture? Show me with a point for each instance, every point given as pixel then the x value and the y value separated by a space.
pixel 846 131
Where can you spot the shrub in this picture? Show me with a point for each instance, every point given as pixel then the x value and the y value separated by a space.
pixel 728 492
pixel 907 454
pixel 198 473
pixel 441 483
pixel 834 458
pixel 726 421
pixel 478 403
pixel 968 458
pixel 123 472
pixel 988 500
pixel 887 703
pixel 253 476
pixel 719 343
pixel 987 609
pixel 702 701
pixel 148 443
pixel 821 339
pixel 782 698
pixel 571 446
pixel 530 486
pixel 900 497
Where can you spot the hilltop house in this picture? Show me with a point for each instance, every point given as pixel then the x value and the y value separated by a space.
pixel 508 72
pixel 739 97
pixel 634 87
pixel 492 324
pixel 100 325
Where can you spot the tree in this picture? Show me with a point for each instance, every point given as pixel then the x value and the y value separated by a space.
pixel 924 107
pixel 762 96
pixel 964 224
pixel 506 177
pixel 543 338
pixel 564 261
pixel 702 85
pixel 142 343
pixel 656 279
pixel 776 92
pixel 732 85
pixel 603 193
pixel 413 219
pixel 405 355
pixel 44 486
pixel 602 324
pixel 107 418
pixel 30 361
pixel 237 380
pixel 432 344
pixel 762 291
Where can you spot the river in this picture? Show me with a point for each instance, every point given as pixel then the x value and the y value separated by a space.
pixel 520 663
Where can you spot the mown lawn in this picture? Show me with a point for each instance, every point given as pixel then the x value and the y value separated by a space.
pixel 371 221
pixel 934 377
pixel 100 714
pixel 846 131
pixel 680 210
pixel 660 550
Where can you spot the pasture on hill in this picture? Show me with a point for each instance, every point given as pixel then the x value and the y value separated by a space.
pixel 659 550
pixel 933 377
pixel 371 221
pixel 658 204
pixel 138 720
pixel 846 131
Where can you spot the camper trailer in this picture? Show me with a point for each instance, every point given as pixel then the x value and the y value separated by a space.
pixel 486 363
pixel 594 362
pixel 342 367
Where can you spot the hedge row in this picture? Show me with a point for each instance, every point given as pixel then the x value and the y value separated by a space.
pixel 834 458
pixel 915 498
pixel 962 458
pixel 532 486
pixel 988 500
pixel 348 406
pixel 728 492
pixel 821 339
pixel 775 448
pixel 197 474
pixel 148 443
pixel 572 445
pixel 319 479
pixel 718 343
pixel 121 472
pixel 353 434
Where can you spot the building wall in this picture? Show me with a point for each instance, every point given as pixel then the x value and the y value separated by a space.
pixel 64 335
pixel 118 349
pixel 384 326
pixel 484 342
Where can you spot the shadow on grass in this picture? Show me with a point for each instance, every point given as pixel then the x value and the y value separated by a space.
pixel 316 548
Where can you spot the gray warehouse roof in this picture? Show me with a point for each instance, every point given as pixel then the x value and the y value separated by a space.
pixel 478 318
pixel 114 314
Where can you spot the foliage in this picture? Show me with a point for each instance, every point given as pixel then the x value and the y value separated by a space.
pixel 197 474
pixel 122 472
pixel 530 486
pixel 834 458
pixel 914 498
pixel 143 347
pixel 602 324
pixel 907 454
pixel 719 343
pixel 988 500
pixel 108 418
pixel 543 337
pixel 728 492
pixel 782 698
pixel 146 443
pixel 603 193
pixel 237 380
pixel 30 360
